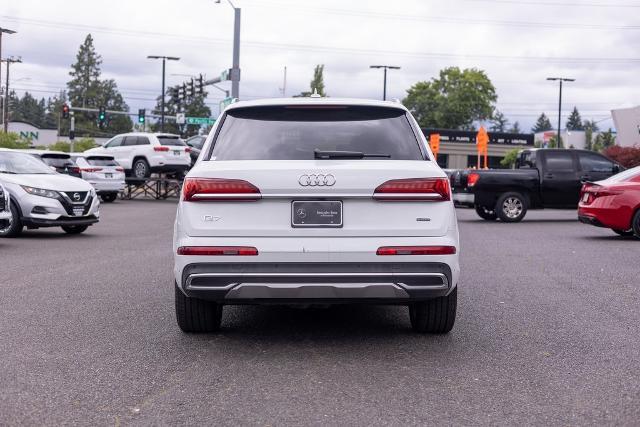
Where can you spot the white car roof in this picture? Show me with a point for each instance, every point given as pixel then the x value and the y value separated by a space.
pixel 316 101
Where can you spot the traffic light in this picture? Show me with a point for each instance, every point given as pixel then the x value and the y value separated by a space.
pixel 183 91
pixel 200 85
pixel 65 111
pixel 191 89
pixel 102 116
pixel 141 113
pixel 175 95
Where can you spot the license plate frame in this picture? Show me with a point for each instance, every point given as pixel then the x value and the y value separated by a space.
pixel 108 175
pixel 317 214
pixel 176 152
pixel 78 211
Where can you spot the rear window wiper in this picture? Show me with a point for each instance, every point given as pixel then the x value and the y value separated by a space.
pixel 325 155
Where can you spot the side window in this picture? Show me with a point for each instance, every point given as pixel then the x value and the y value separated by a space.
pixel 130 140
pixel 559 161
pixel 143 140
pixel 115 142
pixel 591 162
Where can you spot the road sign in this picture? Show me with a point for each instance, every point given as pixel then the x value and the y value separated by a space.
pixel 180 118
pixel 226 102
pixel 200 121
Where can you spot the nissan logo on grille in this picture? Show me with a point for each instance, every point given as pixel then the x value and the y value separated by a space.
pixel 76 197
pixel 319 180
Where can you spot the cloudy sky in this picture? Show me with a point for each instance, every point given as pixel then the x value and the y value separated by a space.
pixel 517 42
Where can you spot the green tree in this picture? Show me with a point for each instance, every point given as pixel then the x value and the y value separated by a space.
pixel 499 122
pixel 542 124
pixel 515 128
pixel 590 126
pixel 79 145
pixel 604 140
pixel 192 106
pixel 27 109
pixel 317 83
pixel 574 122
pixel 453 100
pixel 510 158
pixel 85 89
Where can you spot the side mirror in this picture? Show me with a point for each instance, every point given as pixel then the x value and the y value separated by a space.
pixel 616 168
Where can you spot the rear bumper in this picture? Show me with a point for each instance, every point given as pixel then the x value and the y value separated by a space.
pixel 257 283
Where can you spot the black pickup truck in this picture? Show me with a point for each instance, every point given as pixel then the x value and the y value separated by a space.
pixel 543 178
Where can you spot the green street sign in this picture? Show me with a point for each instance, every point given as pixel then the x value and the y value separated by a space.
pixel 200 121
pixel 226 102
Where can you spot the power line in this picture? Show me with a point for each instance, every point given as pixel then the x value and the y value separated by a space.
pixel 340 50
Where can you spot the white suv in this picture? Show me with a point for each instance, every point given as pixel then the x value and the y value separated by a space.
pixel 321 201
pixel 142 154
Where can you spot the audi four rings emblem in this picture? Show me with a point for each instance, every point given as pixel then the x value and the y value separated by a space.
pixel 319 180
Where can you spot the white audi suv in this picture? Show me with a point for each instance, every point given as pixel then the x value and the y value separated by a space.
pixel 316 201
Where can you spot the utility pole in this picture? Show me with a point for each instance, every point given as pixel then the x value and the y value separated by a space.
pixel 9 61
pixel 4 31
pixel 284 83
pixel 560 79
pixel 235 70
pixel 72 131
pixel 385 68
pixel 164 59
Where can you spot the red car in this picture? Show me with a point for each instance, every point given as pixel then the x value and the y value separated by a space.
pixel 613 203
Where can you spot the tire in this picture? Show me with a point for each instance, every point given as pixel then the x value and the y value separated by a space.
pixel 109 198
pixel 435 316
pixel 485 213
pixel 511 207
pixel 11 227
pixel 74 229
pixel 623 233
pixel 140 169
pixel 635 224
pixel 196 315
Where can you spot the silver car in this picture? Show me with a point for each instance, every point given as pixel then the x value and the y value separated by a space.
pixel 41 197
pixel 103 172
pixel 5 212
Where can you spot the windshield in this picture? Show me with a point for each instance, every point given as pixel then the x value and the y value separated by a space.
pixel 296 132
pixel 627 175
pixel 21 163
pixel 170 140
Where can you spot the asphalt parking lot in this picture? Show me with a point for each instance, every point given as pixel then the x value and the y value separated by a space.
pixel 547 333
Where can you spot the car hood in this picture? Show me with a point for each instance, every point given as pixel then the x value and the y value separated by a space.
pixel 57 182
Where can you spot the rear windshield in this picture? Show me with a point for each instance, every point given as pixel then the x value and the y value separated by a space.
pixel 294 132
pixel 57 161
pixel 170 140
pixel 101 161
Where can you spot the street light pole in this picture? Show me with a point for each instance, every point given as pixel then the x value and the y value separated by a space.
pixel 9 61
pixel 164 59
pixel 560 79
pixel 235 70
pixel 3 31
pixel 384 85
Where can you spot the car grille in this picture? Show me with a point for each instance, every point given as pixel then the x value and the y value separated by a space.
pixel 76 196
pixel 69 207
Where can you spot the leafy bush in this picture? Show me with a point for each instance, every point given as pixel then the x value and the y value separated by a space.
pixel 79 146
pixel 13 140
pixel 510 158
pixel 628 157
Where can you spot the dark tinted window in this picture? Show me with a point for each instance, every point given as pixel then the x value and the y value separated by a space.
pixel 101 161
pixel 170 140
pixel 294 132
pixel 197 142
pixel 592 162
pixel 130 140
pixel 57 161
pixel 559 160
pixel 115 142
pixel 142 140
pixel 527 159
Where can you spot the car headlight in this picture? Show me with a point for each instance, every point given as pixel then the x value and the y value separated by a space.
pixel 41 192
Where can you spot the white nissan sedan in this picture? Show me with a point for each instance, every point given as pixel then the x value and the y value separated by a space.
pixel 316 201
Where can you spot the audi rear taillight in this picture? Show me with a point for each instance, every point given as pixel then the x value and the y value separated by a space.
pixel 472 178
pixel 91 169
pixel 160 148
pixel 218 250
pixel 414 189
pixel 416 250
pixel 219 189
